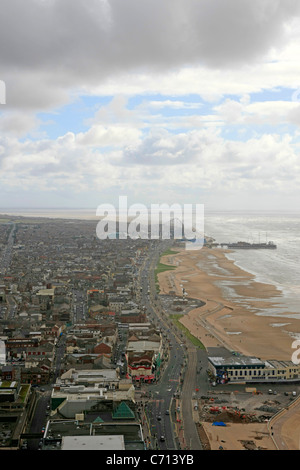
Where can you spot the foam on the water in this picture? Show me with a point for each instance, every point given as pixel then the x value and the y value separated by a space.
pixel 279 267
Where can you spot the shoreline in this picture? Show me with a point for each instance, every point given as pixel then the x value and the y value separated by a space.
pixel 241 313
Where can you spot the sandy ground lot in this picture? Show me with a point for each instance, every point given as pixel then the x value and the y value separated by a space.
pixel 234 301
pixel 232 436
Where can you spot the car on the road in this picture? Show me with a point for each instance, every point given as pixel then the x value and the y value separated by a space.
pixel 158 417
pixel 167 412
pixel 162 438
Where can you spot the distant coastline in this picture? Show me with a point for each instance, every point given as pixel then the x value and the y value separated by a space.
pixel 66 214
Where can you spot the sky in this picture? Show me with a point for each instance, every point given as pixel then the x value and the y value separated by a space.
pixel 162 101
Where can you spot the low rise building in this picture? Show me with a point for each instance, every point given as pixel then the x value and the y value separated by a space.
pixel 144 359
pixel 93 431
pixel 228 367
pixel 77 391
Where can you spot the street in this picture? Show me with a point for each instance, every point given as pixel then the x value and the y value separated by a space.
pixel 181 365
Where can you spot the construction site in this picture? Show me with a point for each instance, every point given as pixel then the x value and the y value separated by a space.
pixel 238 420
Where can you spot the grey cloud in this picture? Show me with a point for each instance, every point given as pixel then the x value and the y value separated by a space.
pixel 71 43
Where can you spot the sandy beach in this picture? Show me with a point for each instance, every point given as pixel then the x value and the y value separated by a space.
pixel 236 307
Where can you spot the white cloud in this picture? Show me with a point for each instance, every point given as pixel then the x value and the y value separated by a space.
pixel 196 159
pixel 258 113
pixel 52 52
pixel 100 136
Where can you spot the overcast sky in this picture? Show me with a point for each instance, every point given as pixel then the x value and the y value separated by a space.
pixel 165 101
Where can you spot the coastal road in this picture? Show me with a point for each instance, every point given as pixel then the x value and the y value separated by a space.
pixel 162 405
pixel 191 437
pixel 170 384
pixel 285 428
pixel 161 428
pixel 162 393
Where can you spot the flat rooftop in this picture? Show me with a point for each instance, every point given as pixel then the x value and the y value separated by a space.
pixel 45 292
pixel 93 443
pixel 143 346
pixel 223 357
pixel 281 364
pixel 90 375
pixel 57 430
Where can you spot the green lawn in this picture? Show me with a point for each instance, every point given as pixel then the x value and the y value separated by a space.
pixel 196 342
pixel 6 383
pixel 23 392
pixel 160 268
pixel 170 252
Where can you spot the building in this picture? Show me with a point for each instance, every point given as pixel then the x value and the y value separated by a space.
pixel 92 432
pixel 79 391
pixel 16 407
pixel 93 443
pixel 35 375
pixel 144 359
pixel 231 367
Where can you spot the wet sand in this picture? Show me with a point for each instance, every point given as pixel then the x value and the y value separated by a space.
pixel 233 302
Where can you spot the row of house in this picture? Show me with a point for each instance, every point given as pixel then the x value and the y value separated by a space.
pixel 61 279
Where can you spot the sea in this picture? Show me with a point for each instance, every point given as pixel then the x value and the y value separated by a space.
pixel 280 267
